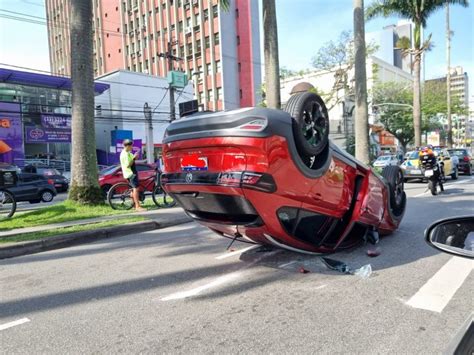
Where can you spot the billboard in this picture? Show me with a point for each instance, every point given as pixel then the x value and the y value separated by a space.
pixel 47 135
pixel 56 121
pixel 11 133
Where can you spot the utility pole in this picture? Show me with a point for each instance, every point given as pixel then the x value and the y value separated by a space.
pixel 150 148
pixel 448 78
pixel 170 58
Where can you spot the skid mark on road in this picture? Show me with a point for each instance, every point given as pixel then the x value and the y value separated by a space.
pixel 14 323
pixel 224 279
pixel 436 293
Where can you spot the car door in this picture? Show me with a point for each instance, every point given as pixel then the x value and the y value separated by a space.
pixel 448 162
pixel 26 188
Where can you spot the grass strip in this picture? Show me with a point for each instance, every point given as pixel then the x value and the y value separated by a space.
pixel 67 230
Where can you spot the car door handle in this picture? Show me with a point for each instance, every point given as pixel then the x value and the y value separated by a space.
pixel 316 196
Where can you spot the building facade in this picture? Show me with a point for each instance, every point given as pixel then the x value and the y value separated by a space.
pixel 218 49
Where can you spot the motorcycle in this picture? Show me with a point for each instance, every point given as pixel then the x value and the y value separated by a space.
pixel 433 172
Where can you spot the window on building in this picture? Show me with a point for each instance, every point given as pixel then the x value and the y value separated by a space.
pixel 143 20
pixel 173 27
pixel 219 94
pixel 120 50
pixel 149 13
pixel 198 46
pixel 240 93
pixel 144 42
pixel 190 48
pixel 180 26
pixel 108 55
pixel 218 66
pixel 206 14
pixel 157 33
pixel 139 45
pixel 188 22
pixel 180 3
pixel 240 67
pixel 215 11
pixel 236 13
pixel 146 65
pixel 125 28
pixel 207 42
pixel 133 47
pixel 164 6
pixel 181 51
pixel 134 67
pixel 140 69
pixel 131 26
pixel 216 38
pixel 153 60
pixel 210 95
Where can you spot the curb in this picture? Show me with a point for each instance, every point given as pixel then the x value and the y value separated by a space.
pixel 63 241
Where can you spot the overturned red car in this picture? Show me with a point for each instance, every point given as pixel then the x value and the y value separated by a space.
pixel 273 177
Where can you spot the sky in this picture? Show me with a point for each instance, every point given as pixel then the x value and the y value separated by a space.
pixel 303 27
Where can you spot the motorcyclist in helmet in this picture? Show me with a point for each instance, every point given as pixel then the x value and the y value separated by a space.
pixel 429 158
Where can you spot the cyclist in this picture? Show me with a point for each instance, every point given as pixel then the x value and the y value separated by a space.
pixel 129 171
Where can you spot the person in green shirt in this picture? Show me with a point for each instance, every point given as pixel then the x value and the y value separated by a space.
pixel 129 171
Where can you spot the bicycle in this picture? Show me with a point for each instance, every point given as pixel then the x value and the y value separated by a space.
pixel 119 196
pixel 7 204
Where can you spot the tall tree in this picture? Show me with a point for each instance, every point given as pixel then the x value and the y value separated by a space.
pixel 270 51
pixel 361 112
pixel 418 11
pixel 84 187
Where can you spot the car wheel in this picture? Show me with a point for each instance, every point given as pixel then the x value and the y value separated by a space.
pixel 455 174
pixel 105 190
pixel 394 176
pixel 47 196
pixel 311 123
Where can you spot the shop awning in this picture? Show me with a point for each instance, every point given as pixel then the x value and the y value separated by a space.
pixel 42 80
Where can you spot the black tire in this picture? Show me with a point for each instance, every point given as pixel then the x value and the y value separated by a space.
pixel 455 174
pixel 47 196
pixel 119 197
pixel 394 177
pixel 105 190
pixel 469 170
pixel 7 204
pixel 432 187
pixel 161 198
pixel 311 123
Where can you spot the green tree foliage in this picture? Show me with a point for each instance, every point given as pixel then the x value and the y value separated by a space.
pixel 398 120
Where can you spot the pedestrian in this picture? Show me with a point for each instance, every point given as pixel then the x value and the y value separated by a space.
pixel 129 171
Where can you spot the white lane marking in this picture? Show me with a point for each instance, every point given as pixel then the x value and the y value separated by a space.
pixel 14 323
pixel 217 282
pixel 436 293
pixel 236 252
pixel 287 264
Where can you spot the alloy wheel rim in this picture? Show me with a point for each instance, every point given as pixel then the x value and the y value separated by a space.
pixel 314 124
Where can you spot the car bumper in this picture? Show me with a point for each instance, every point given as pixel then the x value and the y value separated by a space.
pixel 412 174
pixel 464 167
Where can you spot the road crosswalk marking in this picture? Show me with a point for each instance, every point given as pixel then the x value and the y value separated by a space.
pixel 436 293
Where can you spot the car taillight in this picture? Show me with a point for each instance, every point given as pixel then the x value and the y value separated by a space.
pixel 251 180
pixel 50 181
pixel 256 125
pixel 466 158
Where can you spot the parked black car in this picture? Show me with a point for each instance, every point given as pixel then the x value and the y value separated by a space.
pixel 466 160
pixel 33 188
pixel 60 182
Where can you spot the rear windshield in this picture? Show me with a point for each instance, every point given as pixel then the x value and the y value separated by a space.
pixel 384 158
pixel 108 170
pixel 458 152
pixel 413 155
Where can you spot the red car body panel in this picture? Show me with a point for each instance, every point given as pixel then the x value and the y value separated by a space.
pixel 115 176
pixel 331 194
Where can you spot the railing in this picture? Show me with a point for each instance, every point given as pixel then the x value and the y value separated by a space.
pixel 61 165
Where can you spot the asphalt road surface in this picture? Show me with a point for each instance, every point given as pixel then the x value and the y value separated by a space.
pixel 177 290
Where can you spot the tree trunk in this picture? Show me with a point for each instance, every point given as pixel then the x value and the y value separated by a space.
pixel 84 185
pixel 270 45
pixel 361 112
pixel 448 78
pixel 417 99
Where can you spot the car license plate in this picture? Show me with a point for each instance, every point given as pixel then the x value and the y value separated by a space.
pixel 416 172
pixel 428 173
pixel 194 162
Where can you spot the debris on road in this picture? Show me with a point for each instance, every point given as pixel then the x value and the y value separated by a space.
pixel 336 265
pixel 364 272
pixel 303 270
pixel 373 252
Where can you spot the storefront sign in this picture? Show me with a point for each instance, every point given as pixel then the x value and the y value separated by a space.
pixel 11 133
pixel 56 121
pixel 47 135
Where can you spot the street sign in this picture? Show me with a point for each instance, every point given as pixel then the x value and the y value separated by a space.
pixel 177 79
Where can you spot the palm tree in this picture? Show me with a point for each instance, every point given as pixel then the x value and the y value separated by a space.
pixel 270 51
pixel 84 185
pixel 418 11
pixel 361 114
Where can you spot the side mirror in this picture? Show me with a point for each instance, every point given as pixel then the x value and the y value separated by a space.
pixel 453 236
